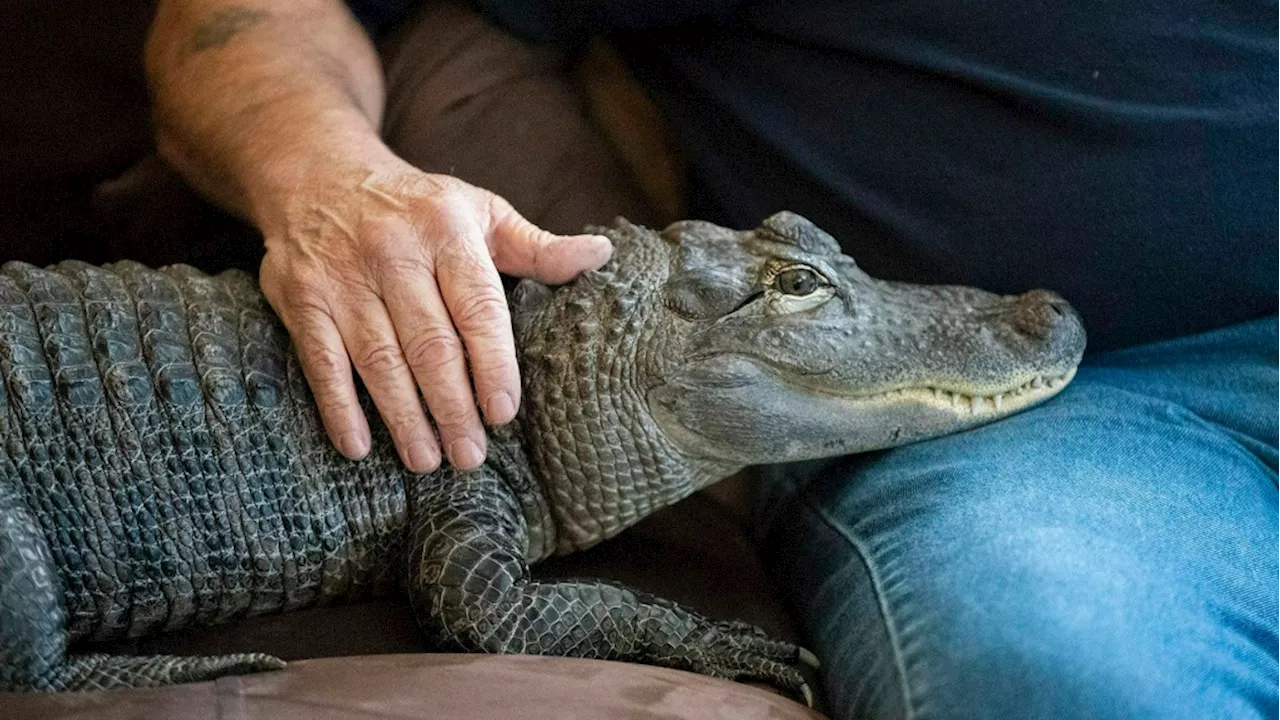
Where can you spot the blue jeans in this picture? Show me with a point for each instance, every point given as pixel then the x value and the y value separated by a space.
pixel 1110 554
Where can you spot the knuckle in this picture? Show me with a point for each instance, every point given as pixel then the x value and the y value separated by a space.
pixel 327 366
pixel 444 211
pixel 433 349
pixel 380 358
pixel 291 290
pixel 328 369
pixel 333 392
pixel 481 311
pixel 498 211
pixel 307 302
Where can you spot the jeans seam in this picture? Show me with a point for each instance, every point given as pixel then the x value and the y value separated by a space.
pixel 882 602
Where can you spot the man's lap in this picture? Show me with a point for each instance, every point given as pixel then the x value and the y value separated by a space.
pixel 1112 553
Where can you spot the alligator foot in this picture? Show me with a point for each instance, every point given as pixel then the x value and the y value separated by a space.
pixel 471 590
pixel 729 650
pixel 118 672
pixel 597 619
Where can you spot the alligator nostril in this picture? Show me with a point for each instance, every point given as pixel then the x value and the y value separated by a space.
pixel 1038 312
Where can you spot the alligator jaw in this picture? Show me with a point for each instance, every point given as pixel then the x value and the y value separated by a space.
pixel 740 412
pixel 979 404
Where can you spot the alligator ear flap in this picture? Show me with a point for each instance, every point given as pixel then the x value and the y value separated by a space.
pixel 711 275
pixel 704 295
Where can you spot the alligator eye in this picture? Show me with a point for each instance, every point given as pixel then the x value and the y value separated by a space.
pixel 798 281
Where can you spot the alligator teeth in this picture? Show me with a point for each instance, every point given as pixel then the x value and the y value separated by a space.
pixel 976 404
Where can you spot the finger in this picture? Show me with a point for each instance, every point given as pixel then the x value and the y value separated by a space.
pixel 328 371
pixel 435 354
pixel 523 249
pixel 472 292
pixel 375 349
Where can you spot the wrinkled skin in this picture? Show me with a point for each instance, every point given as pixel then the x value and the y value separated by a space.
pixel 397 270
pixel 726 349
pixel 163 463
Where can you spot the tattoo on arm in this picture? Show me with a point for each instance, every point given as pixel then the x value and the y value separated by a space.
pixel 225 24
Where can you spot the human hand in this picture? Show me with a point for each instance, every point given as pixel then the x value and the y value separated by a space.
pixel 396 270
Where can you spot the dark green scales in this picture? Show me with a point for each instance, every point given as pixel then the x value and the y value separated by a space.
pixel 163 465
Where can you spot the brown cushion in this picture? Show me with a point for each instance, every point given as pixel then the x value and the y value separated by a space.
pixel 452 686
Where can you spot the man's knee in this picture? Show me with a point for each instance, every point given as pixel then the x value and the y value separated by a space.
pixel 1102 556
pixel 1057 622
pixel 1041 621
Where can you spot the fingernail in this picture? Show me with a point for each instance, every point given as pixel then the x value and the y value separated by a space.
pixel 500 408
pixel 465 454
pixel 353 445
pixel 422 457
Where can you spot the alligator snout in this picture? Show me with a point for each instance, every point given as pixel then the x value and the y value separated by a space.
pixel 1040 314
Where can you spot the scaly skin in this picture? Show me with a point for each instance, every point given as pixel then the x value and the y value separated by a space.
pixel 162 462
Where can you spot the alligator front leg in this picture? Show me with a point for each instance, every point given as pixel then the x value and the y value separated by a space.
pixel 471 590
pixel 33 628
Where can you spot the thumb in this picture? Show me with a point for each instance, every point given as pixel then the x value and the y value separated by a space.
pixel 525 250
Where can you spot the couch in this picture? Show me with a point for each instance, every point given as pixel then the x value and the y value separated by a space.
pixel 78 179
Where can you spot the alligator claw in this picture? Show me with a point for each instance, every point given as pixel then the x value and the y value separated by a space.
pixel 740 651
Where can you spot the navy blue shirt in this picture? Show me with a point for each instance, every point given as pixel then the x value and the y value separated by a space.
pixel 1122 153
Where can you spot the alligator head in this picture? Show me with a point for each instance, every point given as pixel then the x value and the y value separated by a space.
pixel 701 350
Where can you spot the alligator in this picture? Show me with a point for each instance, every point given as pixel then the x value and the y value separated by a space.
pixel 163 464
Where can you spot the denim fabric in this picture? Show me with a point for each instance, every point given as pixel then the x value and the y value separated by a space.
pixel 1110 554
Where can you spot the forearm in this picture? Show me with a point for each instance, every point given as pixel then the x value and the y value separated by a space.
pixel 271 108
pixel 249 94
